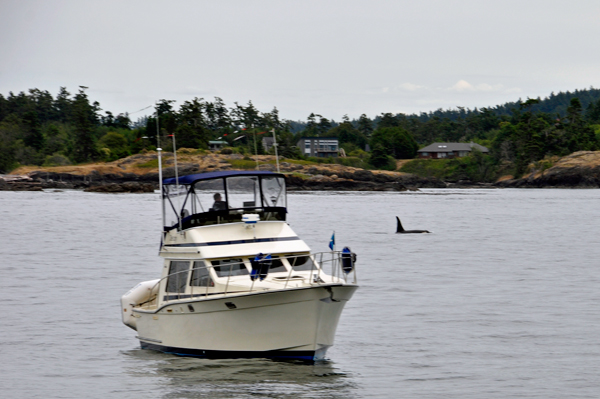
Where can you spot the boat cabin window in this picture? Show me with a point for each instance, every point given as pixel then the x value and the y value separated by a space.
pixel 299 263
pixel 177 198
pixel 209 195
pixel 224 200
pixel 229 267
pixel 273 189
pixel 200 275
pixel 178 274
pixel 244 192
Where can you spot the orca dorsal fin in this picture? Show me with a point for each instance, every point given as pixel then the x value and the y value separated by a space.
pixel 399 228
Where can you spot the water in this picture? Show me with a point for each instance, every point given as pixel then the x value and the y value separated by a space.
pixel 501 300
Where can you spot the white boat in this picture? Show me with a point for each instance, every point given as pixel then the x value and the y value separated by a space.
pixel 236 280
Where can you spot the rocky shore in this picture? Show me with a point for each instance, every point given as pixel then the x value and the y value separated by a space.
pixel 139 173
pixel 578 170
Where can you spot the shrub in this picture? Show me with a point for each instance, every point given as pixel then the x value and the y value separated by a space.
pixel 56 160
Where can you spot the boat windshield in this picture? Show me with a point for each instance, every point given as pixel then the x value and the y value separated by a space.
pixel 224 200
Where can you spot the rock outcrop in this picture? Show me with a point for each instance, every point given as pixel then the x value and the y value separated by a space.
pixel 578 170
pixel 139 173
pixel 141 170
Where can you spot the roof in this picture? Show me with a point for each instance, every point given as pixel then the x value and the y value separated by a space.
pixel 191 179
pixel 447 147
pixel 318 138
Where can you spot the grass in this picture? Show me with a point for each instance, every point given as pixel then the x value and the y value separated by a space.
pixel 153 163
pixel 427 167
pixel 298 161
pixel 242 163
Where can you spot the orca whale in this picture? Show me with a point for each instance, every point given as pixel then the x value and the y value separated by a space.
pixel 400 229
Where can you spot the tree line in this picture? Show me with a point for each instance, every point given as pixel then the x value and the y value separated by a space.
pixel 37 128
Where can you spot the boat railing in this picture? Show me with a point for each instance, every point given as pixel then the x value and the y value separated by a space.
pixel 325 268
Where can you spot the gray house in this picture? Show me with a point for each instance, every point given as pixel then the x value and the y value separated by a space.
pixel 267 142
pixel 319 146
pixel 449 150
pixel 216 145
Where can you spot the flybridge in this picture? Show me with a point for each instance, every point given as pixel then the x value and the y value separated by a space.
pixel 223 197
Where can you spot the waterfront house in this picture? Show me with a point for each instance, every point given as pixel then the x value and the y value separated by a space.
pixel 319 146
pixel 449 150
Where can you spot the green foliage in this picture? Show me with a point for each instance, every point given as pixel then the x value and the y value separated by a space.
pixel 592 114
pixel 426 167
pixel 114 145
pixel 395 141
pixel 320 160
pixel 298 161
pixel 287 146
pixel 388 120
pixel 56 160
pixel 348 136
pixel 531 137
pixel 364 125
pixel 354 162
pixel 58 138
pixel 242 164
pixel 358 154
pixel 26 155
pixel 84 119
pixel 151 164
pixel 380 159
pixel 9 131
pixel 34 126
pixel 596 129
pixel 474 167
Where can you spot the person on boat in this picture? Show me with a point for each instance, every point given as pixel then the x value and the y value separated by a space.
pixel 218 205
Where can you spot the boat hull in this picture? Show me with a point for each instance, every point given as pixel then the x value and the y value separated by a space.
pixel 293 323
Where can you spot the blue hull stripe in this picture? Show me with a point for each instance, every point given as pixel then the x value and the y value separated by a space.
pixel 209 244
pixel 211 354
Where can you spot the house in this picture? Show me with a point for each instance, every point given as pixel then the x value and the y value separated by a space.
pixel 449 150
pixel 267 143
pixel 319 146
pixel 216 145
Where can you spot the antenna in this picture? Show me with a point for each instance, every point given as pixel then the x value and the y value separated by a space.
pixel 255 148
pixel 176 176
pixel 160 180
pixel 275 145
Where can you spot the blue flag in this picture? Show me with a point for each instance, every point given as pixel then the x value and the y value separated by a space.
pixel 332 241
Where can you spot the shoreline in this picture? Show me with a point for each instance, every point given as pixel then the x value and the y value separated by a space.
pixel 131 174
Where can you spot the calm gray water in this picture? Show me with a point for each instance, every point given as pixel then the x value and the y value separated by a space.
pixel 501 301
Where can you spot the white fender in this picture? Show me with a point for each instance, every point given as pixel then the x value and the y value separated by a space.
pixel 142 292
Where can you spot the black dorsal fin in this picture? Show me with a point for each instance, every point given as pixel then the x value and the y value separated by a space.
pixel 399 227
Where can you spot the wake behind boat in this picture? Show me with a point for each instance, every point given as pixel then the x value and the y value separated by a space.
pixel 236 280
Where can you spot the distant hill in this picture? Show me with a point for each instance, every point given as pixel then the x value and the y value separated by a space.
pixel 554 104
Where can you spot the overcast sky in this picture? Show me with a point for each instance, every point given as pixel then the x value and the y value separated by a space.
pixel 330 57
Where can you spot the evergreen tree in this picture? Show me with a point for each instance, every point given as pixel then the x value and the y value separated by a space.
pixel 347 134
pixel 84 121
pixel 365 125
pixel 9 131
pixel 380 159
pixel 396 141
pixel 387 120
pixel 62 106
pixel 592 114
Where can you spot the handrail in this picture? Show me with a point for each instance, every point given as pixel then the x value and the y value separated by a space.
pixel 317 276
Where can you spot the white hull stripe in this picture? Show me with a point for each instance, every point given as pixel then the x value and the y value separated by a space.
pixel 233 242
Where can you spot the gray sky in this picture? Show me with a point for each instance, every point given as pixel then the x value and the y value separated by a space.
pixel 329 57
